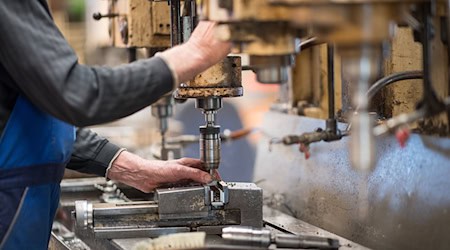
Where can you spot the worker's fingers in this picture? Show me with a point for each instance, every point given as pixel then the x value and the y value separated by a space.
pixel 181 172
pixel 204 27
pixel 190 162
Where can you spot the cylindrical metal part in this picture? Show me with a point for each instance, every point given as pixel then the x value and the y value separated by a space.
pixel 210 103
pixel 83 213
pixel 247 236
pixel 162 110
pixel 264 238
pixel 163 107
pixel 210 146
pixel 305 242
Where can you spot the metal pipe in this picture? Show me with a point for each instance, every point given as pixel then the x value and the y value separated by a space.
pixel 398 121
pixel 386 81
pixel 404 119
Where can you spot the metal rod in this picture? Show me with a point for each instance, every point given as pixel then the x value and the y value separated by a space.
pixel 330 63
pixel 175 22
pixel 193 14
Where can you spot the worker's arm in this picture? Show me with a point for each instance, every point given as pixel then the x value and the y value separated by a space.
pixel 94 154
pixel 42 64
pixel 91 154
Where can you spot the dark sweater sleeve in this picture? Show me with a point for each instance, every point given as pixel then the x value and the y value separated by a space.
pixel 46 70
pixel 92 153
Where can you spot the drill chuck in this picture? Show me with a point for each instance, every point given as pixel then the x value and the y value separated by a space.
pixel 210 146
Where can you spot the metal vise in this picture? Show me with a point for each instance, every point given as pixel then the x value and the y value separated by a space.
pixel 185 209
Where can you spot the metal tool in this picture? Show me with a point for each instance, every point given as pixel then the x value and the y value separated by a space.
pixel 210 133
pixel 247 236
pixel 199 208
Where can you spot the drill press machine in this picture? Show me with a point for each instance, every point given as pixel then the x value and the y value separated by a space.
pixel 220 81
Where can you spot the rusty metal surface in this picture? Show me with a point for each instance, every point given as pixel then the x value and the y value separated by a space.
pixel 405 203
pixel 183 93
pixel 225 74
pixel 221 80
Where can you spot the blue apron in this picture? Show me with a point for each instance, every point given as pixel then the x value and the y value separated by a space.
pixel 34 149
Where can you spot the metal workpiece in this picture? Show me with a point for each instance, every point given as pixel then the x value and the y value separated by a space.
pixel 263 238
pixel 217 194
pixel 221 80
pixel 247 236
pixel 206 208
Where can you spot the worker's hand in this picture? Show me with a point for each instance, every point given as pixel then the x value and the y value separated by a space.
pixel 146 175
pixel 207 45
pixel 202 51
